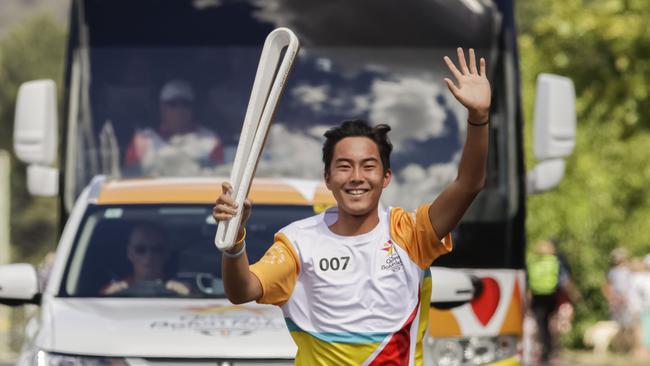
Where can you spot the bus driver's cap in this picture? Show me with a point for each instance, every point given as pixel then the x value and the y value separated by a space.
pixel 176 90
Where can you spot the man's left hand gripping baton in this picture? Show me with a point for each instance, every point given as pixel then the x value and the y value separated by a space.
pixel 264 99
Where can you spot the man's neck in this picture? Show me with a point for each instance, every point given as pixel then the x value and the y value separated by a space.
pixel 166 131
pixel 352 225
pixel 146 277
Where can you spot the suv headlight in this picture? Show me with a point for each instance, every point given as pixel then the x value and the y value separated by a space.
pixel 54 359
pixel 468 351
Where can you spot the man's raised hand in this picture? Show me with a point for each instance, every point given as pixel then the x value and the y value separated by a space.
pixel 225 207
pixel 473 90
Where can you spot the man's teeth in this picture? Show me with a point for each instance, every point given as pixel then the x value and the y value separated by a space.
pixel 357 191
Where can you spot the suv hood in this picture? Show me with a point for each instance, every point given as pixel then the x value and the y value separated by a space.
pixel 169 328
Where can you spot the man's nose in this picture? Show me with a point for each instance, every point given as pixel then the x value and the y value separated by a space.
pixel 357 174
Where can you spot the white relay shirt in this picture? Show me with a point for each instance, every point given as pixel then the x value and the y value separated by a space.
pixel 354 300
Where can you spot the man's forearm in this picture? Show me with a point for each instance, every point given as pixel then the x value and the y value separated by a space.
pixel 473 162
pixel 239 283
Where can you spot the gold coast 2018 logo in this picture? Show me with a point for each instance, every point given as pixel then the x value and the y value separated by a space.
pixel 393 261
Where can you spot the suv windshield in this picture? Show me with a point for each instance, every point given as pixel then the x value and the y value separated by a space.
pixel 160 251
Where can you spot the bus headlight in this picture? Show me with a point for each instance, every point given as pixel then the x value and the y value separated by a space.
pixel 54 359
pixel 467 351
pixel 448 352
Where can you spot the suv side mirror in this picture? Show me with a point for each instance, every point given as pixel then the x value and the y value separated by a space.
pixel 36 135
pixel 18 284
pixel 554 131
pixel 453 288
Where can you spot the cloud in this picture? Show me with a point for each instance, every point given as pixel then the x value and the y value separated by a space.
pixel 295 154
pixel 415 185
pixel 409 106
pixel 313 96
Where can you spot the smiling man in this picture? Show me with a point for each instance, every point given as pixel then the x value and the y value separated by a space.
pixel 353 281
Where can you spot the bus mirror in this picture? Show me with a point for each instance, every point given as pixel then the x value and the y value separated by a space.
pixel 35 124
pixel 18 284
pixel 555 117
pixel 42 180
pixel 546 175
pixel 452 288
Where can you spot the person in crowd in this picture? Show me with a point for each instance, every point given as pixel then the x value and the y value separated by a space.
pixel 616 287
pixel 567 295
pixel 179 145
pixel 543 283
pixel 147 252
pixel 638 300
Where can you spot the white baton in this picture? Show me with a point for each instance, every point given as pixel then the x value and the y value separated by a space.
pixel 267 88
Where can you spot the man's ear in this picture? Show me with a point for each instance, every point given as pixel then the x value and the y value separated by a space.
pixel 388 175
pixel 326 176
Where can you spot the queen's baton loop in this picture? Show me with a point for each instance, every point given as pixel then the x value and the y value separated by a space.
pixel 267 88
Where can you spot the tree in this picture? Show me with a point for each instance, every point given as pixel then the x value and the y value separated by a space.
pixel 33 50
pixel 603 201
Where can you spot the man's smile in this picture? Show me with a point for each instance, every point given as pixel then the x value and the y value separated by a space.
pixel 356 191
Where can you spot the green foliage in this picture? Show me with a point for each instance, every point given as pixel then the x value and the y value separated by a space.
pixel 33 50
pixel 603 201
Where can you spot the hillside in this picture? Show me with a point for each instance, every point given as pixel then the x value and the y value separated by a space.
pixel 13 12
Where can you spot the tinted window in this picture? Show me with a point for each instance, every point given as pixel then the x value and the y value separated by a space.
pixel 146 247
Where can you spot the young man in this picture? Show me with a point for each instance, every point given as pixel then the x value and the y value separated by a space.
pixel 352 282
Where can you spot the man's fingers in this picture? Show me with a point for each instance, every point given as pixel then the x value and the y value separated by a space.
pixel 222 216
pixel 461 61
pixel 452 88
pixel 227 200
pixel 472 62
pixel 224 208
pixel 482 66
pixel 457 74
pixel 226 188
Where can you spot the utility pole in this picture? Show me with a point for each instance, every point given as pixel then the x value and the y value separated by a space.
pixel 5 253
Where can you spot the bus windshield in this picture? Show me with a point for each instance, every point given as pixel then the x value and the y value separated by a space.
pixel 188 123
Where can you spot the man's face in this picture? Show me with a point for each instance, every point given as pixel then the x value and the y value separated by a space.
pixel 147 253
pixel 356 175
pixel 176 115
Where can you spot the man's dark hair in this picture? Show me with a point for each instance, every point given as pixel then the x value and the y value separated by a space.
pixel 358 128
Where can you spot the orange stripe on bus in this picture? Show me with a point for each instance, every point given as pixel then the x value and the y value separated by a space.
pixel 512 324
pixel 144 191
pixel 442 323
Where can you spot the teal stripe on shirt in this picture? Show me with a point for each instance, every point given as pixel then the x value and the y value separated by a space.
pixel 341 337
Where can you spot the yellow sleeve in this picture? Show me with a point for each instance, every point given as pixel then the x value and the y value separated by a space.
pixel 277 271
pixel 413 232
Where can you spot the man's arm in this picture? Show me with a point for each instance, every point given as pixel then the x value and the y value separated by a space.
pixel 239 283
pixel 473 91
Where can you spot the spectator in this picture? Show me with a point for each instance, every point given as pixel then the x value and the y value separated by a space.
pixel 615 288
pixel 567 294
pixel 639 305
pixel 543 281
pixel 179 146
